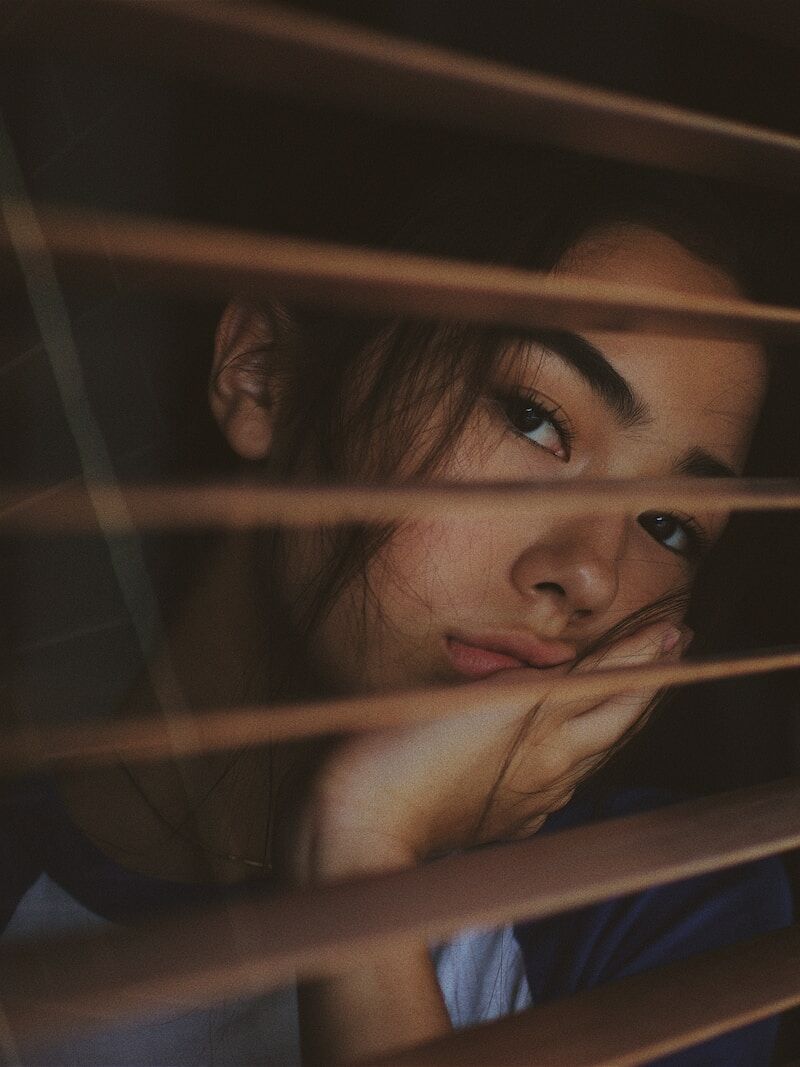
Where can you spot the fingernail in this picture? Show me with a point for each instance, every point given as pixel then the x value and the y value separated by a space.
pixel 670 639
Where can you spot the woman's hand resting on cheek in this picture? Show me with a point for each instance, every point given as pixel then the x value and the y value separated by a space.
pixel 388 799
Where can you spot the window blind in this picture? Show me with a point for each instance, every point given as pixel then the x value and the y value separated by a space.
pixel 74 983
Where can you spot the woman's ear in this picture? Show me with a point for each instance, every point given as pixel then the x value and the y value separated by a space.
pixel 241 390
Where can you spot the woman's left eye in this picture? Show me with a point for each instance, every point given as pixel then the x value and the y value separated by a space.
pixel 680 535
pixel 541 426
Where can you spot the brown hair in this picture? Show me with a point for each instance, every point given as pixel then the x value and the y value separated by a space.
pixel 356 391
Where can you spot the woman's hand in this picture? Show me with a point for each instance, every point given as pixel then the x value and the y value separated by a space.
pixel 388 799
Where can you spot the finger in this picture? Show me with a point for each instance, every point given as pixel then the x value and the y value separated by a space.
pixel 644 646
pixel 596 729
pixel 658 642
pixel 599 729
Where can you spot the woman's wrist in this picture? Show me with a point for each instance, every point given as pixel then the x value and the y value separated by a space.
pixel 328 847
pixel 338 856
pixel 332 859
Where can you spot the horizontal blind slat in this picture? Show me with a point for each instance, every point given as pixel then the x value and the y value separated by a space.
pixel 68 508
pixel 634 1020
pixel 248 946
pixel 187 257
pixel 27 748
pixel 322 60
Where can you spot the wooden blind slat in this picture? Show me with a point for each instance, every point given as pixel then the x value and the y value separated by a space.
pixel 267 46
pixel 249 946
pixel 636 1019
pixel 181 257
pixel 184 734
pixel 69 508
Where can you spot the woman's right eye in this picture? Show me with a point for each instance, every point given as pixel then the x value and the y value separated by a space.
pixel 541 425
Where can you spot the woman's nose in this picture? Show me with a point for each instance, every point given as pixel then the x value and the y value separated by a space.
pixel 571 574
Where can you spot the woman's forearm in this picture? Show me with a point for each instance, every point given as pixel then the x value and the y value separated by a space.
pixel 392 1000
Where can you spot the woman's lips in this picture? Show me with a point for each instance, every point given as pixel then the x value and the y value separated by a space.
pixel 478 662
pixel 479 657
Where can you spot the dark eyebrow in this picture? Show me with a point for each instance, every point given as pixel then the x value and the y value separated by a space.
pixel 596 370
pixel 701 464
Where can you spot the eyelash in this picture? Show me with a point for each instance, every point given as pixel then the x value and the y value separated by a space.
pixel 515 405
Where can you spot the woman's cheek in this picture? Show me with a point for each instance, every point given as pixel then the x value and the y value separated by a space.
pixel 647 573
pixel 443 566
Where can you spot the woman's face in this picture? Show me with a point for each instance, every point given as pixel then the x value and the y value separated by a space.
pixel 457 600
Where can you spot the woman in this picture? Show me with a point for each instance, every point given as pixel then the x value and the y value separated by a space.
pixel 305 397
